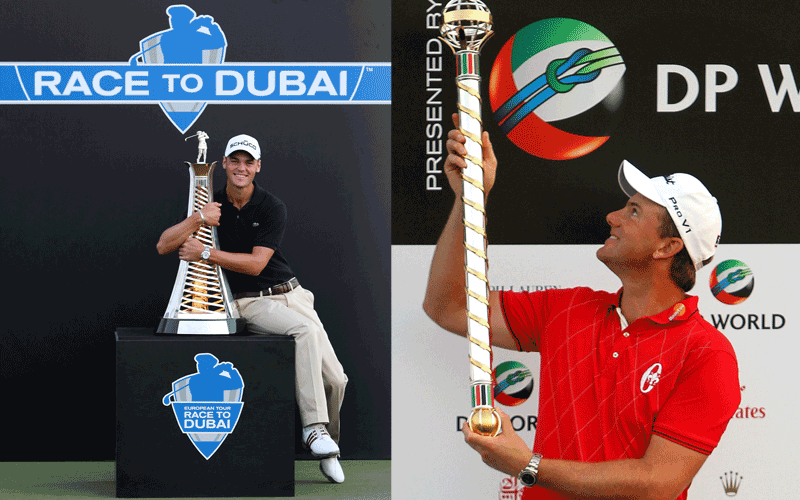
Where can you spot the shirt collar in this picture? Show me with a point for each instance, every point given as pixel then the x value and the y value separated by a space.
pixel 259 194
pixel 676 313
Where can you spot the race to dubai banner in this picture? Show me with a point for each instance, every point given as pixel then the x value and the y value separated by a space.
pixel 569 91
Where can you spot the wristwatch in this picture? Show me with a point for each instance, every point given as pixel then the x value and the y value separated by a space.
pixel 529 474
pixel 206 253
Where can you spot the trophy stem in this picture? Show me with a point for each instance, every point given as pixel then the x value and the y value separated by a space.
pixel 483 419
pixel 466 25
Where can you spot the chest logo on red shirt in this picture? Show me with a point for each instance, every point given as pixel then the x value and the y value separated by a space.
pixel 650 378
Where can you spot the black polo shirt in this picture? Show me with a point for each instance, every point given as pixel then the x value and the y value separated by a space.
pixel 260 223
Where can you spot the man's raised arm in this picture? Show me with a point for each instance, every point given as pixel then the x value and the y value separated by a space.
pixel 445 297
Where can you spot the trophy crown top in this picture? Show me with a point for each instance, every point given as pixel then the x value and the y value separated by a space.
pixel 466 5
pixel 466 24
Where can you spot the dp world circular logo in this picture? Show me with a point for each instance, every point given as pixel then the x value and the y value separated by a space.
pixel 513 383
pixel 556 88
pixel 731 282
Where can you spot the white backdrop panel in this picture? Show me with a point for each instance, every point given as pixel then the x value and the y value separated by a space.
pixel 430 371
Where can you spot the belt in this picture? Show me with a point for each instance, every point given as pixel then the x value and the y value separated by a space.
pixel 273 290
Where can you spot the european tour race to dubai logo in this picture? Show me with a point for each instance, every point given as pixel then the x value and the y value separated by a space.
pixel 183 68
pixel 208 403
pixel 731 282
pixel 556 88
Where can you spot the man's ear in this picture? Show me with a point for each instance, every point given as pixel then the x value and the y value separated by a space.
pixel 669 247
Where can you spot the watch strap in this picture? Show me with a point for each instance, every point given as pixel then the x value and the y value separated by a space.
pixel 530 474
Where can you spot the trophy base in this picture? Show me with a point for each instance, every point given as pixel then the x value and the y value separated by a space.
pixel 485 421
pixel 178 326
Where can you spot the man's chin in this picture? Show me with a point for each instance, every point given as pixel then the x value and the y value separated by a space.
pixel 601 256
pixel 605 258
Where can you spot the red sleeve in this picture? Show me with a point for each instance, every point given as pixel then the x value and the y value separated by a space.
pixel 523 313
pixel 702 403
pixel 528 314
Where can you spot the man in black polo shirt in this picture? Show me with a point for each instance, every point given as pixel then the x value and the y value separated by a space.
pixel 250 225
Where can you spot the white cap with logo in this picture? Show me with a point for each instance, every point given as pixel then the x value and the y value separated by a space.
pixel 244 142
pixel 692 208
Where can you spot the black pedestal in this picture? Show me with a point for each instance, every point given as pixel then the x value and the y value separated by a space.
pixel 253 456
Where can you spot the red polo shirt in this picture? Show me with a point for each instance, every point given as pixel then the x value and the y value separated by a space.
pixel 604 390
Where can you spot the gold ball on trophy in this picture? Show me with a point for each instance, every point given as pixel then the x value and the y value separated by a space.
pixel 485 421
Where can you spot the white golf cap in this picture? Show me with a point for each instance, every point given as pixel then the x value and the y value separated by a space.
pixel 244 142
pixel 692 208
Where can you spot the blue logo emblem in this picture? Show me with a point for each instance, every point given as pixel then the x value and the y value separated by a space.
pixel 207 404
pixel 190 40
pixel 183 68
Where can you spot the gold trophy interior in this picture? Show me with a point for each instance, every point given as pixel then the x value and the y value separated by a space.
pixel 202 290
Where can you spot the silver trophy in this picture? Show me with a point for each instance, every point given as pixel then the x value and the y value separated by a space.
pixel 201 301
pixel 466 25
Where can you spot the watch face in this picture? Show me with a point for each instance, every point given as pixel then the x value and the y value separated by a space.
pixel 527 478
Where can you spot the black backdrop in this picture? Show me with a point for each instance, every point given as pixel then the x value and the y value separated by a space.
pixel 87 189
pixel 744 152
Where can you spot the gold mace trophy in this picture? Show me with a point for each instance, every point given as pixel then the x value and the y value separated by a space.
pixel 466 25
pixel 201 301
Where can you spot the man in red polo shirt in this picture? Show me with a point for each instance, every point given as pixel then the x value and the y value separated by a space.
pixel 636 388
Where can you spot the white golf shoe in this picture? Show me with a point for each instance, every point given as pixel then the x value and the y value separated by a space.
pixel 317 439
pixel 332 469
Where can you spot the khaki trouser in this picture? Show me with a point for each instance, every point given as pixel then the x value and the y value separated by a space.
pixel 320 378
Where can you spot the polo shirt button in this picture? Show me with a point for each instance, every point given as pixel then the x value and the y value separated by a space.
pixel 626 334
pixel 616 354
